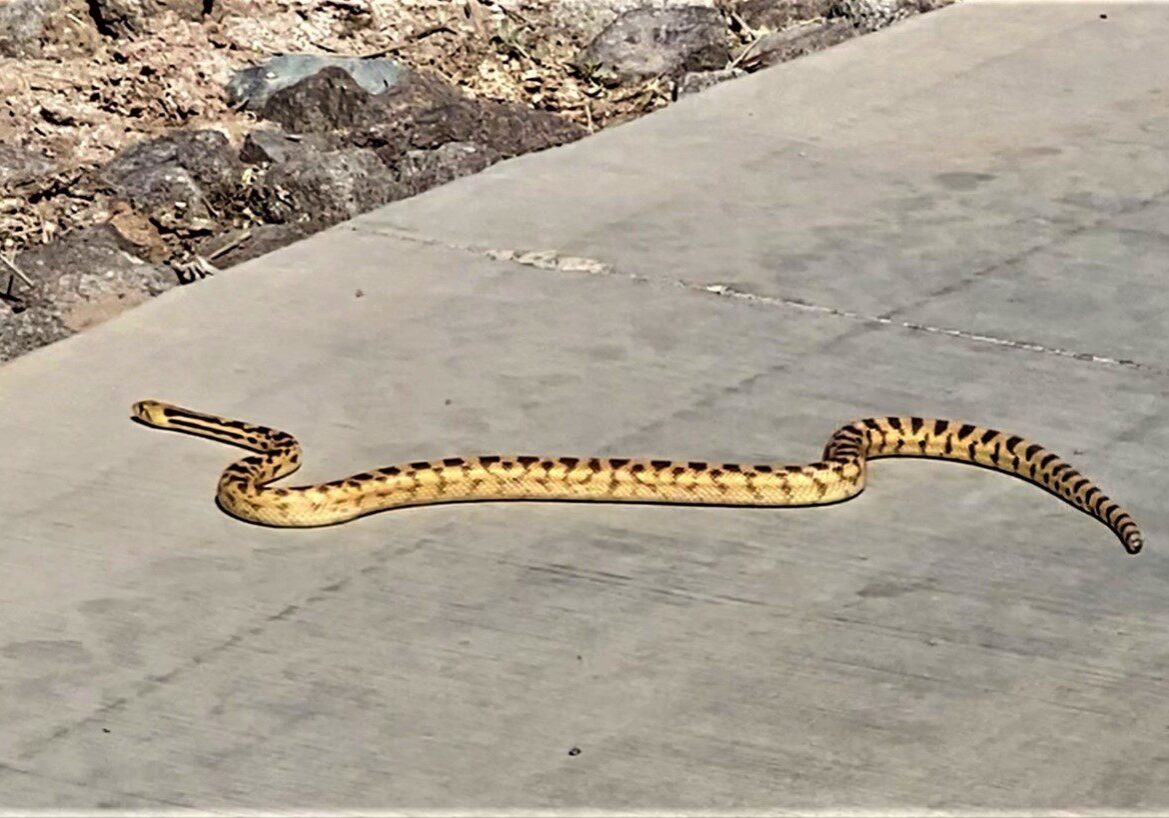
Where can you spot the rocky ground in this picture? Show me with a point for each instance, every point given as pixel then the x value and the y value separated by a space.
pixel 148 143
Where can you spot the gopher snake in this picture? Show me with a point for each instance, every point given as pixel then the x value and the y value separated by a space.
pixel 244 493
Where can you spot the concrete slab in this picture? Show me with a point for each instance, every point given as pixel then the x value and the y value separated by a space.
pixel 1101 286
pixel 951 639
pixel 430 657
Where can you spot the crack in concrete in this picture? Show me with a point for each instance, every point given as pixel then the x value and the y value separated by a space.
pixel 548 259
pixel 1029 346
pixel 551 260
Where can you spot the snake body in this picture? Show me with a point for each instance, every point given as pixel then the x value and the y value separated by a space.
pixel 243 489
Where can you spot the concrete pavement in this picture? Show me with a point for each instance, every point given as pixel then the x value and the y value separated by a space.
pixel 961 216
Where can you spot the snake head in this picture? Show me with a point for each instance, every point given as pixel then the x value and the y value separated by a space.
pixel 150 412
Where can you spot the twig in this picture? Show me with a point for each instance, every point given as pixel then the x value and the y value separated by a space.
pixel 348 5
pixel 323 46
pixel 787 36
pixel 16 270
pixel 231 245
pixel 745 53
pixel 9 298
pixel 194 270
pixel 737 18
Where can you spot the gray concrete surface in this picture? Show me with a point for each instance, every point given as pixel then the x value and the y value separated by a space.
pixel 961 216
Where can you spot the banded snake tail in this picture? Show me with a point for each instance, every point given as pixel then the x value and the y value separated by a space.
pixel 243 489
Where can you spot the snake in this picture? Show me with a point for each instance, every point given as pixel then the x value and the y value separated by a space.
pixel 244 489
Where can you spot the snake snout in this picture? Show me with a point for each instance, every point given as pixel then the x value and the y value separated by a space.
pixel 148 411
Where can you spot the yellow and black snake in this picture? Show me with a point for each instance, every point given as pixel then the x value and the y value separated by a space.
pixel 244 492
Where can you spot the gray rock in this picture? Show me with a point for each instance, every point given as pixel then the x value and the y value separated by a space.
pixel 651 42
pixel 420 170
pixel 777 15
pixel 237 246
pixel 327 100
pixel 355 151
pixel 274 145
pixel 416 93
pixel 125 18
pixel 870 15
pixel 119 18
pixel 22 24
pixel 171 198
pixel 252 87
pixel 22 332
pixel 419 113
pixel 205 154
pixel 796 41
pixel 424 114
pixel 326 188
pixel 87 262
pixel 21 168
pixel 81 279
pixel 693 82
pixel 180 180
